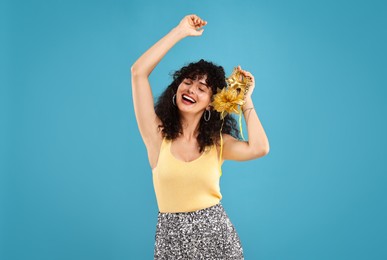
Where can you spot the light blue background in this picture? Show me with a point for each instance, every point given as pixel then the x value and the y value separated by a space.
pixel 75 179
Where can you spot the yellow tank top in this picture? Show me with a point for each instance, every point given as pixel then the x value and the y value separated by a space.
pixel 186 186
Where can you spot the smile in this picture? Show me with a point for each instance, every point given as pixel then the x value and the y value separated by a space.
pixel 188 99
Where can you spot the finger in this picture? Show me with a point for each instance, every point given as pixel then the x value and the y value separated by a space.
pixel 244 72
pixel 192 20
pixel 200 32
pixel 249 74
pixel 200 24
pixel 197 17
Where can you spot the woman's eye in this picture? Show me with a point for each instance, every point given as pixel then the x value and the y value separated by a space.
pixel 202 90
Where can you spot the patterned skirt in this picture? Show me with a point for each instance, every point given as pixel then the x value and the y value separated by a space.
pixel 202 234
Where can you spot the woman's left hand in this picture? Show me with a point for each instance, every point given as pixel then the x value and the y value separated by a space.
pixel 247 74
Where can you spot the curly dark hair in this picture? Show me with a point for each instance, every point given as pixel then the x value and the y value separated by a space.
pixel 168 113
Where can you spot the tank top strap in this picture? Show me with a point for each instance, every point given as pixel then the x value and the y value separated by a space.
pixel 164 145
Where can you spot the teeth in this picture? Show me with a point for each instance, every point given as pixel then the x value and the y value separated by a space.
pixel 187 97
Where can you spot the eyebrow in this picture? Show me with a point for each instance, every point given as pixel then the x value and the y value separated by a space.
pixel 199 82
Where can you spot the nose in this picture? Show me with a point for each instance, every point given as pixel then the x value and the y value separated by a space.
pixel 191 88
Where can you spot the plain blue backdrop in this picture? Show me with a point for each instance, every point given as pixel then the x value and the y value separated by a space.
pixel 75 178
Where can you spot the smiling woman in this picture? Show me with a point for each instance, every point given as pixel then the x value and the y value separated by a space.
pixel 192 91
pixel 181 133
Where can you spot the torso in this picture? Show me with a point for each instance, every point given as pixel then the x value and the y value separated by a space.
pixel 180 149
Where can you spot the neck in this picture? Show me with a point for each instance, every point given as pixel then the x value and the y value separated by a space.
pixel 190 126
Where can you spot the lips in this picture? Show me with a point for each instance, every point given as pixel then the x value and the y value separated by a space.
pixel 188 99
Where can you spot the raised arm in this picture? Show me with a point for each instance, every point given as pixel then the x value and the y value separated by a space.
pixel 146 117
pixel 258 143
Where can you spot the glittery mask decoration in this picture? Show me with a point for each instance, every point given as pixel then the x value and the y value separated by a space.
pixel 230 99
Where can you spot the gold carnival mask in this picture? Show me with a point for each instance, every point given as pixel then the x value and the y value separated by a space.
pixel 230 99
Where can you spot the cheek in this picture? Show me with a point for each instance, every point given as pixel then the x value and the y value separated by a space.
pixel 182 87
pixel 205 97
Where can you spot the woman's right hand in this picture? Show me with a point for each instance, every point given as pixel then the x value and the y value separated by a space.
pixel 189 25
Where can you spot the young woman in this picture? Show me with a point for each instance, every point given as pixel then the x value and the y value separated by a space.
pixel 182 133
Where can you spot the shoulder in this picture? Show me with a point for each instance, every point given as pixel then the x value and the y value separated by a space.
pixel 227 139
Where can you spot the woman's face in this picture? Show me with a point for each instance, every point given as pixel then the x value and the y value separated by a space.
pixel 193 95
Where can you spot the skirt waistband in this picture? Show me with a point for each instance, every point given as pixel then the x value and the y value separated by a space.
pixel 215 207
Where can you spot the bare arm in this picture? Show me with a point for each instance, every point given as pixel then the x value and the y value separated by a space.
pixel 257 144
pixel 148 61
pixel 146 117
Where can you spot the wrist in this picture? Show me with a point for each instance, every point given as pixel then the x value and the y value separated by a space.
pixel 248 102
pixel 247 97
pixel 247 109
pixel 179 33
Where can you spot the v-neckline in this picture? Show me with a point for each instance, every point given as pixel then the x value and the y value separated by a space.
pixel 194 160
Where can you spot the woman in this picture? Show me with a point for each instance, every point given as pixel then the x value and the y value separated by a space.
pixel 181 134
